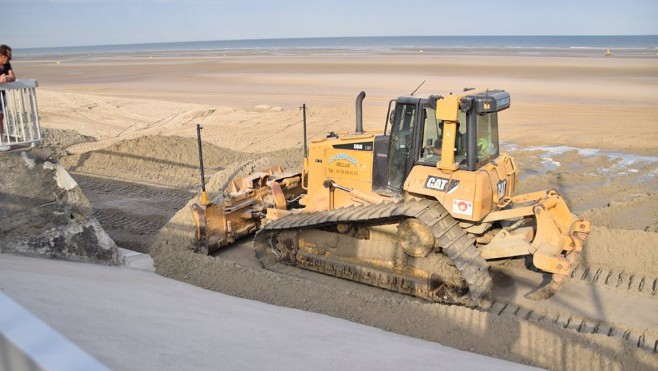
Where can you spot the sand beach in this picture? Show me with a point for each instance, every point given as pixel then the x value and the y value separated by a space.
pixel 584 125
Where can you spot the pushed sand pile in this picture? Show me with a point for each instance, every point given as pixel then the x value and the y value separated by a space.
pixel 163 160
pixel 138 184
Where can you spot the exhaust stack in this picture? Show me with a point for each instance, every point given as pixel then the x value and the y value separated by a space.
pixel 359 112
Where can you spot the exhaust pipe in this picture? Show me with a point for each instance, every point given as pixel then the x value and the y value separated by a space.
pixel 359 112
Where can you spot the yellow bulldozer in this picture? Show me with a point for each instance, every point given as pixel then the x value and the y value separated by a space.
pixel 419 208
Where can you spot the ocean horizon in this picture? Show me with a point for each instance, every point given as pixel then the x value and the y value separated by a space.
pixel 620 45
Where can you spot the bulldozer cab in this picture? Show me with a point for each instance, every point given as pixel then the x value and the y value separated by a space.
pixel 453 133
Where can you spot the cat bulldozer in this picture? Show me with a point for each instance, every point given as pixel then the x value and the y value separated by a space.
pixel 420 208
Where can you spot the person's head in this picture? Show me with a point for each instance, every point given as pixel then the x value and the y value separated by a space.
pixel 5 54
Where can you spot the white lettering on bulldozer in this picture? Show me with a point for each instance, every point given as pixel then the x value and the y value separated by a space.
pixel 345 157
pixel 441 184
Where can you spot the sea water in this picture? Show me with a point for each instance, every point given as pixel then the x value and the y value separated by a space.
pixel 575 46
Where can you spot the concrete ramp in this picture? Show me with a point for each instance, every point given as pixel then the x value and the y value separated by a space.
pixel 131 319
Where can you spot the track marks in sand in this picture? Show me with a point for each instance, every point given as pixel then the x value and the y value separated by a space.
pixel 259 128
pixel 132 213
pixel 111 120
pixel 75 111
pixel 169 125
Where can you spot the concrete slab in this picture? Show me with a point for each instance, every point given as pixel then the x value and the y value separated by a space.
pixel 132 319
pixel 136 260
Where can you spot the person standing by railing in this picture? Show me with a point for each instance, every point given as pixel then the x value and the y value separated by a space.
pixel 6 75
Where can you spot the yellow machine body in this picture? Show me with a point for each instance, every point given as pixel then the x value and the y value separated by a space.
pixel 438 148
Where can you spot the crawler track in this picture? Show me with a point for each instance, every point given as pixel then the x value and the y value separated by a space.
pixel 455 243
pixel 570 310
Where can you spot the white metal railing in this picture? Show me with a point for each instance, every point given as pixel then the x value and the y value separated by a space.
pixel 28 343
pixel 20 125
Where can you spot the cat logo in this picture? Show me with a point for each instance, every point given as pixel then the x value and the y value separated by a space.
pixel 441 184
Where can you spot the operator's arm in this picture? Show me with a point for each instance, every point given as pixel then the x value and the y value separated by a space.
pixel 9 76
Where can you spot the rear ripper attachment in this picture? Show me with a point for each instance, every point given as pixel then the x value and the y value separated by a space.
pixel 242 207
pixel 545 229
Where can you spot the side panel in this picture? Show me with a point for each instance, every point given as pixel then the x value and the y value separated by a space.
pixel 348 161
pixel 466 195
pixel 502 178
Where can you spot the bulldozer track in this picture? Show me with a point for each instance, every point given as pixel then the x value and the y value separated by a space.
pixel 455 243
pixel 621 284
pixel 129 188
pixel 644 339
pixel 639 284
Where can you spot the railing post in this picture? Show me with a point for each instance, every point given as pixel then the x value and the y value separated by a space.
pixel 21 126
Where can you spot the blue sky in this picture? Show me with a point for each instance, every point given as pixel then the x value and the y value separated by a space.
pixel 52 23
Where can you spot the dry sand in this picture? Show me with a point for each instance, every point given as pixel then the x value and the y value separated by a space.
pixel 584 126
pixel 605 103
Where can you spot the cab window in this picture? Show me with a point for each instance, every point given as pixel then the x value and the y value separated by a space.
pixel 487 137
pixel 460 141
pixel 433 139
pixel 401 143
pixel 432 136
